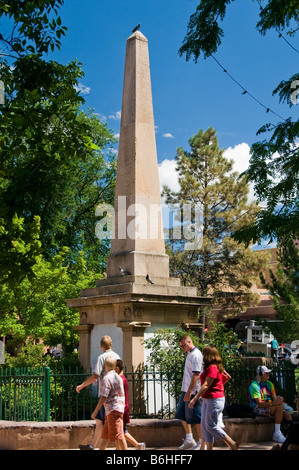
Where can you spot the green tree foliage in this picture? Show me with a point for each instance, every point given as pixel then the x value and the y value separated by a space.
pixel 284 288
pixel 30 356
pixel 273 166
pixel 217 265
pixel 36 309
pixel 37 28
pixel 204 33
pixel 20 248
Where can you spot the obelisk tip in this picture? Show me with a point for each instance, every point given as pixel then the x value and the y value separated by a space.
pixel 138 35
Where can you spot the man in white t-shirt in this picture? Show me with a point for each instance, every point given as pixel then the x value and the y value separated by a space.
pixel 191 377
pixel 98 374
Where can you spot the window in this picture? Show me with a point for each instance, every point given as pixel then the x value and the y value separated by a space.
pixel 257 335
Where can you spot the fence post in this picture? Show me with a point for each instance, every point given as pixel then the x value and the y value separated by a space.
pixel 46 395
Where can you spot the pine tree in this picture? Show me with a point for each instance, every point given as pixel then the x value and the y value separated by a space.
pixel 215 263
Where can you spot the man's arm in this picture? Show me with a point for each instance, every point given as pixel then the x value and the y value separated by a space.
pixel 192 385
pixel 87 382
pixel 268 403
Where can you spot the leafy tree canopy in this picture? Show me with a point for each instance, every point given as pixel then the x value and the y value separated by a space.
pixel 204 33
pixel 20 249
pixel 36 309
pixel 36 27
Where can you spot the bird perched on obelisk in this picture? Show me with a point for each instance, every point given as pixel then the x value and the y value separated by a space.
pixel 148 279
pixel 136 28
pixel 123 272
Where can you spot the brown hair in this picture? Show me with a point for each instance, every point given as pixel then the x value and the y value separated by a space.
pixel 120 364
pixel 211 356
pixel 184 337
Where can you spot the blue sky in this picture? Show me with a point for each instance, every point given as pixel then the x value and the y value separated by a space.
pixel 186 96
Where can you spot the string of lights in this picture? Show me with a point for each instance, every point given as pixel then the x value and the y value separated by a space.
pixel 246 92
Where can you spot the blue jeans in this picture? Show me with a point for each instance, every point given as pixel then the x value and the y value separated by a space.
pixel 184 413
pixel 210 429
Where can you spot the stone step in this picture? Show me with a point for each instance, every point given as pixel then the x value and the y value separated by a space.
pixel 167 281
pixel 136 288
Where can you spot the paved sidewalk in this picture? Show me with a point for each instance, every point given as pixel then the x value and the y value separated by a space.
pixel 244 446
pixel 254 446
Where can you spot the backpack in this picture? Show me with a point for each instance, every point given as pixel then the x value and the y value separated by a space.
pixel 238 410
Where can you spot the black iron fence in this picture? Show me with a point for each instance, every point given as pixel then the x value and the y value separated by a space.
pixel 44 395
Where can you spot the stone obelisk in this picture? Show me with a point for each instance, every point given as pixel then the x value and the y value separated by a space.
pixel 137 244
pixel 127 305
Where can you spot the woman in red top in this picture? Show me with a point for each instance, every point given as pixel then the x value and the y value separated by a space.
pixel 212 380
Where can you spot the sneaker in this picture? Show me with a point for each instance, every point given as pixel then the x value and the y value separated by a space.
pixel 187 444
pixel 141 446
pixel 197 446
pixel 278 437
pixel 85 447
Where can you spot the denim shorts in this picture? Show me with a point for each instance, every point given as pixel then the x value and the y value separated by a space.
pixel 190 415
pixel 101 414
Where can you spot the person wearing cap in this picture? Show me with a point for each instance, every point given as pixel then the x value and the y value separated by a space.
pixel 265 402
